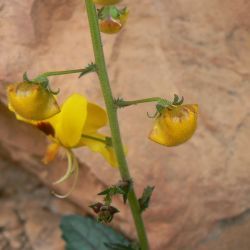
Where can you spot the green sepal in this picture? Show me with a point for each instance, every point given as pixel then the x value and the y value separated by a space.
pixel 52 91
pixel 155 115
pixel 177 100
pixel 26 78
pixel 145 199
pixel 112 191
pixel 162 104
pixel 42 80
pixel 122 187
pixel 111 11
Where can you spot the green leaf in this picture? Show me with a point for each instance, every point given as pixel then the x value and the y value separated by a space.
pixel 145 199
pixel 132 246
pixel 84 233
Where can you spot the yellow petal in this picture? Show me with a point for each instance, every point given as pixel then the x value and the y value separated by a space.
pixel 96 118
pixel 31 101
pixel 20 118
pixel 100 147
pixel 175 126
pixel 70 121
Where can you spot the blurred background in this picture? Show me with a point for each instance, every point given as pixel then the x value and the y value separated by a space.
pixel 195 48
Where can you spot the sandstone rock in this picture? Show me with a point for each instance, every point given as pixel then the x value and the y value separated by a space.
pixel 28 218
pixel 198 49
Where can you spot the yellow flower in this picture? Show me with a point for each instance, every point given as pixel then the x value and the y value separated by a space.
pixel 25 99
pixel 75 126
pixel 175 125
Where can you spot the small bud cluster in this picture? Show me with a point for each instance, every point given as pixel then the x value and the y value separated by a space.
pixel 104 210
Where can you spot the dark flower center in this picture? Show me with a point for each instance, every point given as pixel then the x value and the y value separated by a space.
pixel 46 128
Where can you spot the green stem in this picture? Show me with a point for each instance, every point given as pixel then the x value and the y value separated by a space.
pixel 94 138
pixel 88 69
pixel 107 140
pixel 113 120
pixel 121 103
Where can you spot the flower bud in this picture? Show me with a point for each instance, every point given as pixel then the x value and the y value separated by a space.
pixel 175 125
pixel 112 20
pixel 106 213
pixel 106 2
pixel 31 101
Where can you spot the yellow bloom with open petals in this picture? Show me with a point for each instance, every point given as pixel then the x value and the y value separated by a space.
pixel 78 119
pixel 175 125
pixel 75 126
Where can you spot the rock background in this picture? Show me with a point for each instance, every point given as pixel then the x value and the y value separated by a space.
pixel 198 49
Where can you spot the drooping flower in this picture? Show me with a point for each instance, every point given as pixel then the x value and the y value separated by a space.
pixel 175 125
pixel 26 99
pixel 75 126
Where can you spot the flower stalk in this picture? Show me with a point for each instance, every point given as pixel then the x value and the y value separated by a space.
pixel 97 139
pixel 120 103
pixel 90 68
pixel 113 120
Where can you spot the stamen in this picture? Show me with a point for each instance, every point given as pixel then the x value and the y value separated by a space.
pixel 73 169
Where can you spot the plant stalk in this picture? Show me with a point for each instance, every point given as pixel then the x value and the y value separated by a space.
pixel 113 120
pixel 94 138
pixel 90 68
pixel 122 103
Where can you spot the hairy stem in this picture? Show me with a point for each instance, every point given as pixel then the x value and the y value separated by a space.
pixel 122 103
pixel 90 68
pixel 113 120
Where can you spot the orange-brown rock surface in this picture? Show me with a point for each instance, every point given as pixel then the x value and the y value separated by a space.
pixel 198 49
